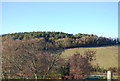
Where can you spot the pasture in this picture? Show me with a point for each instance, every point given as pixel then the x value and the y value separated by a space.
pixel 105 56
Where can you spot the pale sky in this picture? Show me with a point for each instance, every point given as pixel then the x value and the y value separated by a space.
pixel 100 18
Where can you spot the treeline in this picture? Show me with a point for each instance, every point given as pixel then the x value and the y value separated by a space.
pixel 54 35
pixel 65 40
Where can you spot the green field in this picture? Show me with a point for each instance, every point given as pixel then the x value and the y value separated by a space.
pixel 105 56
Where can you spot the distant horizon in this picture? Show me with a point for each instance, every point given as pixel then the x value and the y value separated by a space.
pixel 98 18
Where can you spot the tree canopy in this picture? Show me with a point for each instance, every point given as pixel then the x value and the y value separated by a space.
pixel 64 40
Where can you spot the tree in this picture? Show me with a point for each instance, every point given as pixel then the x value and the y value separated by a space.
pixel 29 59
pixel 80 65
pixel 64 68
pixel 65 42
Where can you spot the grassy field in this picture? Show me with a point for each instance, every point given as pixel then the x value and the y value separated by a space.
pixel 105 56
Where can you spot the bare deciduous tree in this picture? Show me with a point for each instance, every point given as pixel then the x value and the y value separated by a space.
pixel 28 59
pixel 80 64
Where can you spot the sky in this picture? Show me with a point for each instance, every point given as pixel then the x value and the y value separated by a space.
pixel 99 18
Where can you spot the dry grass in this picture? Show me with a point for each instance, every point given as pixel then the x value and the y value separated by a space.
pixel 105 56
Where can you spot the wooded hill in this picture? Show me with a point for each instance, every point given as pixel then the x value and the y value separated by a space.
pixel 64 40
pixel 36 55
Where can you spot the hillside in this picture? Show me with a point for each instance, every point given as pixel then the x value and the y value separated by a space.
pixel 106 57
pixel 38 54
pixel 65 40
pixel 106 51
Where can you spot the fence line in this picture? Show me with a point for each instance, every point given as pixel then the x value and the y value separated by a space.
pixel 59 74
